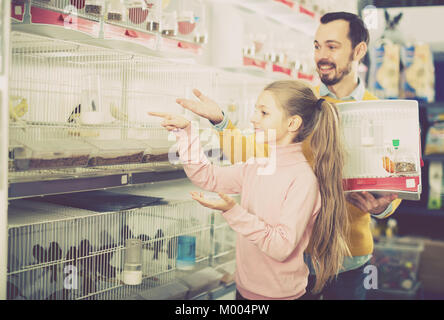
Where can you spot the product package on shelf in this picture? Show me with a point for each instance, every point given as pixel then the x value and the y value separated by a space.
pixel 138 11
pixel 154 16
pixel 418 76
pixel 436 182
pixel 435 139
pixel 191 20
pixel 94 8
pixel 302 61
pixel 116 11
pixel 259 48
pixel 384 72
pixel 382 142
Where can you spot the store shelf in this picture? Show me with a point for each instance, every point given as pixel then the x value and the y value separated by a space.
pixel 434 157
pixel 409 209
pixel 438 104
pixel 293 16
pixel 214 294
pixel 222 290
pixel 66 181
pixel 57 24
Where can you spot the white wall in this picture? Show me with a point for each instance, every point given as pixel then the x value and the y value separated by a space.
pixel 424 24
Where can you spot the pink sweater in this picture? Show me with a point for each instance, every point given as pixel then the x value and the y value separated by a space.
pixel 274 220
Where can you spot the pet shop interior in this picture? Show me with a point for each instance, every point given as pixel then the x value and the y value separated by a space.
pixel 94 203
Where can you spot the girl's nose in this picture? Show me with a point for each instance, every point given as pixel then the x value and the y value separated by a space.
pixel 253 119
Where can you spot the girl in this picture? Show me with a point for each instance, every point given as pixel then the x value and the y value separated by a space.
pixel 285 210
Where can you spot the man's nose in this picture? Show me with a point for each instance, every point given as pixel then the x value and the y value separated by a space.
pixel 322 54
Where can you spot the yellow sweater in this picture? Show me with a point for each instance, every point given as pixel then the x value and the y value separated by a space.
pixel 361 239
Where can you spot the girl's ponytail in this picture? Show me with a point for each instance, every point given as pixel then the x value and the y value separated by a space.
pixel 328 243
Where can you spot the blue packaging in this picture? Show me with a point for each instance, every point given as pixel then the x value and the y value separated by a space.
pixel 186 252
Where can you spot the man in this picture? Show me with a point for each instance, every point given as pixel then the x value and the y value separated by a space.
pixel 340 44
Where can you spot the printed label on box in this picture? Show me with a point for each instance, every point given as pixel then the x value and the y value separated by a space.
pixel 410 183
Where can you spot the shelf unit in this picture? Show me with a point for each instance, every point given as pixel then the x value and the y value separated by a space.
pixel 63 23
pixel 50 182
pixel 4 77
pixel 288 13
pixel 414 218
pixel 166 51
pixel 38 19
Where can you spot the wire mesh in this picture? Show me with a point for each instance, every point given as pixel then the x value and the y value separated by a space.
pixel 62 83
pixel 57 252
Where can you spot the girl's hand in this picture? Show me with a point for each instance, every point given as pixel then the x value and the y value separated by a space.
pixel 171 121
pixel 205 107
pixel 224 204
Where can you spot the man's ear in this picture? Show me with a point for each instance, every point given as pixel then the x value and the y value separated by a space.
pixel 360 51
pixel 294 123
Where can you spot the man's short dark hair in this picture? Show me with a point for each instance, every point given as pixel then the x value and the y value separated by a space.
pixel 357 30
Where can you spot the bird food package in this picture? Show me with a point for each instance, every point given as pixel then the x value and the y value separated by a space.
pixel 418 76
pixel 384 71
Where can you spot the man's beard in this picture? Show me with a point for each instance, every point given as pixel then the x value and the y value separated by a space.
pixel 339 76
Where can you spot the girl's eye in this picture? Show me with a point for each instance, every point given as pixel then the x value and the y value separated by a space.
pixel 264 113
pixel 331 47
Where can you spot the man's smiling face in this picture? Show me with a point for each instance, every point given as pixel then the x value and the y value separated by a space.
pixel 333 51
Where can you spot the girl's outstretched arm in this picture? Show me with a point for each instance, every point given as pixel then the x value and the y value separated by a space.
pixel 196 165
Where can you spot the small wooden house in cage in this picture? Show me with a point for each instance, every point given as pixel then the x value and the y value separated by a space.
pixel 383 147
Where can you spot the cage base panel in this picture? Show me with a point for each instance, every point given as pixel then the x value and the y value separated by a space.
pixel 408 188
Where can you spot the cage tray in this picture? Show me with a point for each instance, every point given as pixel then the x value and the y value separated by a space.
pixel 102 201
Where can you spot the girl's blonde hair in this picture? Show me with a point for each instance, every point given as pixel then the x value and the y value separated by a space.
pixel 320 124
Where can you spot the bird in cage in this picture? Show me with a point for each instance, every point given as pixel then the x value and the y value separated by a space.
pixel 18 107
pixel 75 114
pixel 54 253
pixel 13 292
pixel 87 267
pixel 71 255
pixel 103 261
pixel 117 113
pixel 158 245
pixel 172 247
pixel 39 253
pixel 145 241
pixel 126 233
